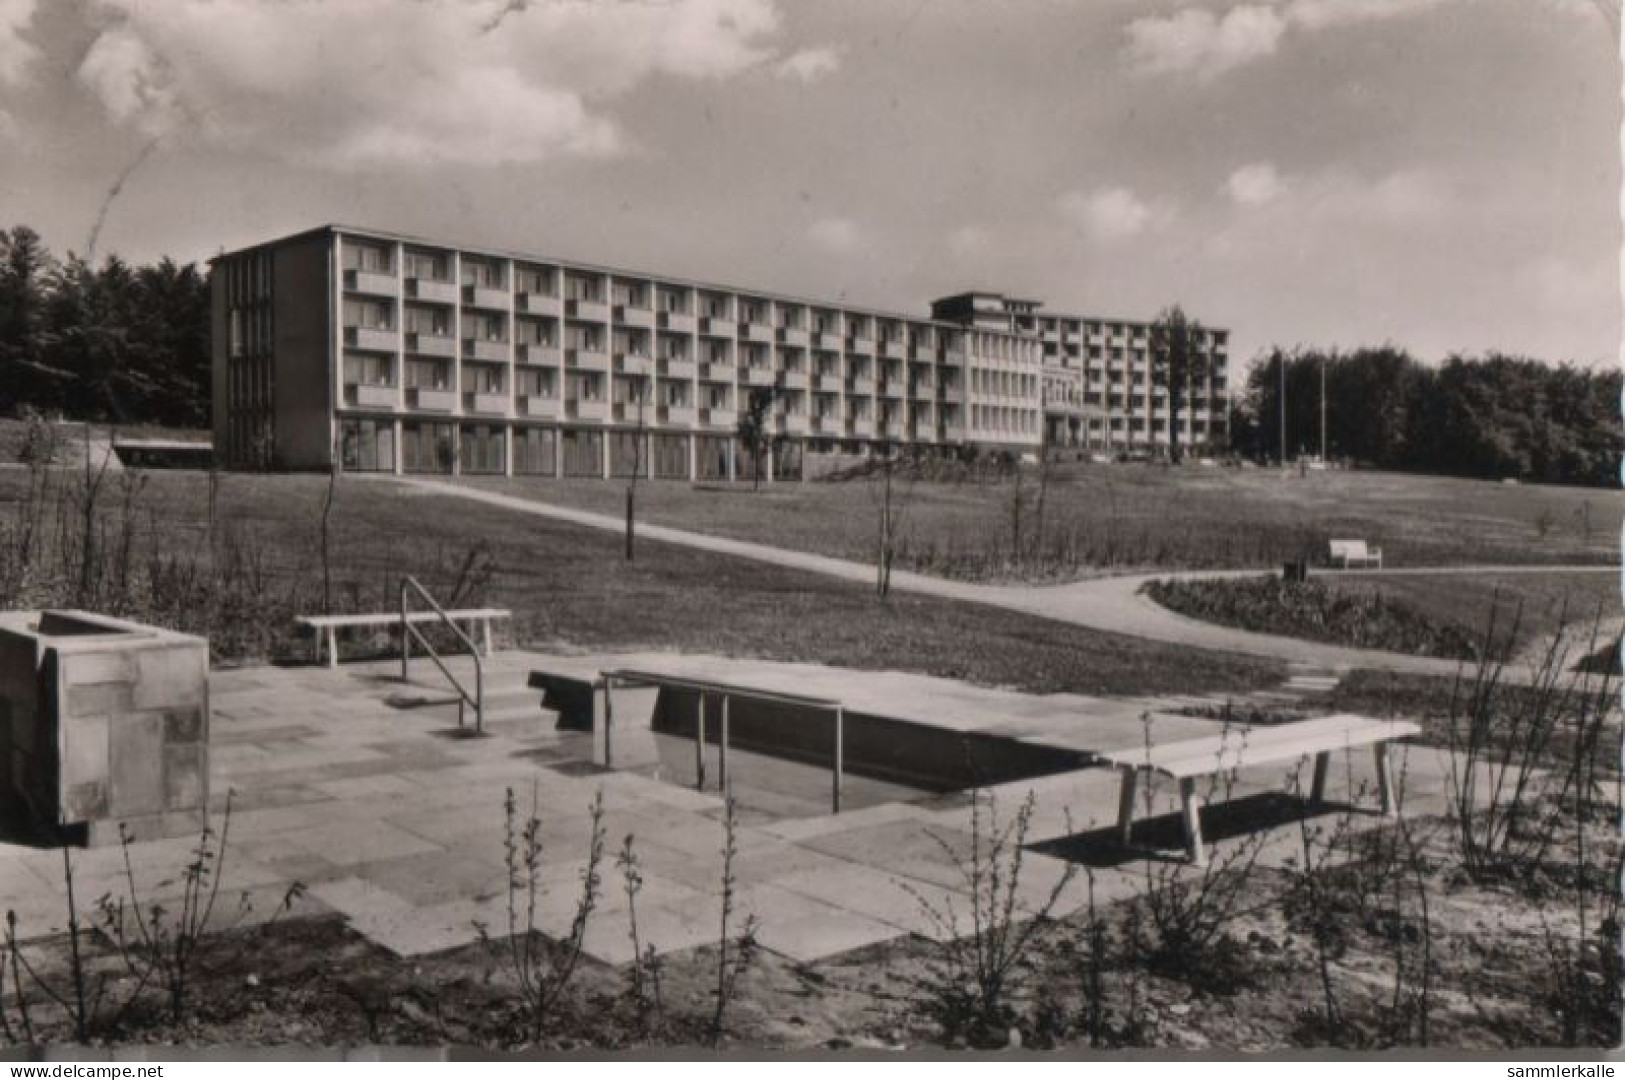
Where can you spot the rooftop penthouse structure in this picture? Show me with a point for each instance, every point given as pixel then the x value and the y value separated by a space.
pixel 388 353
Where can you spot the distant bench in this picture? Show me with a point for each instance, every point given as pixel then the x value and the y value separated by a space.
pixel 327 626
pixel 1190 759
pixel 1349 554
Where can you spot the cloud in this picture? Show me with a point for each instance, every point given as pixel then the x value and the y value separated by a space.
pixel 9 129
pixel 835 235
pixel 1195 40
pixel 377 83
pixel 809 65
pixel 1255 184
pixel 1113 213
pixel 968 241
pixel 16 51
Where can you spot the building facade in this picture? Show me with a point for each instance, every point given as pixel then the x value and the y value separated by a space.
pixel 1101 387
pixel 386 353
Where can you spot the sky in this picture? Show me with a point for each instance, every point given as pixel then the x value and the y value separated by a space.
pixel 1442 175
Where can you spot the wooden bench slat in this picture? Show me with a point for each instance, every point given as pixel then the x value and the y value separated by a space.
pixel 390 619
pixel 1260 745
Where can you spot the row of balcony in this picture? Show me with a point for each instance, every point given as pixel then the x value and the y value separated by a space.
pixel 432 400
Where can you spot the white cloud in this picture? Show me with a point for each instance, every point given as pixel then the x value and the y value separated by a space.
pixel 835 235
pixel 370 83
pixel 1255 184
pixel 16 51
pixel 809 65
pixel 9 130
pixel 1197 41
pixel 1113 213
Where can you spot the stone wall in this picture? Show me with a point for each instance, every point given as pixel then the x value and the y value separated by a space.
pixel 114 728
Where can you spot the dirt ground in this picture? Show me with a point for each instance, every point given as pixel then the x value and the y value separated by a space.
pixel 1417 953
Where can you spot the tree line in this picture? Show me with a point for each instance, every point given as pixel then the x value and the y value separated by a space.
pixel 1492 416
pixel 111 342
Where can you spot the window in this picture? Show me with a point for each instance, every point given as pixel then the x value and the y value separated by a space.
pixel 426 267
pixel 368 314
pixel 368 446
pixel 428 322
pixel 368 370
pixel 368 258
pixel 428 374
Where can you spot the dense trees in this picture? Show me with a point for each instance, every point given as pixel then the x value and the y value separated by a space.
pixel 1490 416
pixel 1177 360
pixel 116 342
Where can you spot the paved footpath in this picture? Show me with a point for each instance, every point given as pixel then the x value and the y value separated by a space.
pixel 1113 604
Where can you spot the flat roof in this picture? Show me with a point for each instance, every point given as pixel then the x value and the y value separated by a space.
pixel 335 228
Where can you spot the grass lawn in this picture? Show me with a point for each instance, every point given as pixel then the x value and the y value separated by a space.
pixel 568 586
pixel 1126 517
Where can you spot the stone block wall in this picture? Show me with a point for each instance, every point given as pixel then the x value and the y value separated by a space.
pixel 111 726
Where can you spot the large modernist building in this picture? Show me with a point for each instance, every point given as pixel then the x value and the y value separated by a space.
pixel 392 354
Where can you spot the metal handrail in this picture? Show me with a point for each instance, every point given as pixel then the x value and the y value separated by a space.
pixel 409 631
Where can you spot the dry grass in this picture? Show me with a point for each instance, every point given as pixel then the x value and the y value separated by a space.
pixel 1122 517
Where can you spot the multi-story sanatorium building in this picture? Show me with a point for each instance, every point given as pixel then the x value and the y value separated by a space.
pixel 393 354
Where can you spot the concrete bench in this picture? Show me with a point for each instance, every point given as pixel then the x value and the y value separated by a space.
pixel 1191 759
pixel 1349 554
pixel 326 627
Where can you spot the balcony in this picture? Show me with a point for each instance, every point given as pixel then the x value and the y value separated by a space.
pixel 481 296
pixel 793 335
pixel 953 358
pixel 373 284
pixel 431 344
pixel 952 432
pixel 429 400
pixel 632 364
pixel 922 390
pixel 586 359
pixel 862 386
pixel 861 345
pixel 539 303
pixel 716 326
pixel 890 429
pixel 539 354
pixel 922 354
pixel 675 415
pixel 891 388
pixel 488 404
pixel 717 371
pixel 753 331
pixel 827 424
pixel 539 407
pixel 431 291
pixel 796 424
pixel 717 416
pixel 827 383
pixel 795 380
pixel 590 310
pixel 892 350
pixel 862 427
pixel 758 375
pixel 374 396
pixel 828 340
pixel 372 339
pixel 495 352
pixel 678 322
pixel 586 410
pixel 627 315
pixel 632 412
pixel 676 368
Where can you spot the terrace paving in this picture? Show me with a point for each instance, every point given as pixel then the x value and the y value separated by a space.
pixel 397 825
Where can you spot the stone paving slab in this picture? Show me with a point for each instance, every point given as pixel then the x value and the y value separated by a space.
pixel 399 827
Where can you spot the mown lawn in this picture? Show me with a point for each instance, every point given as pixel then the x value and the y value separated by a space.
pixel 568 586
pixel 1114 518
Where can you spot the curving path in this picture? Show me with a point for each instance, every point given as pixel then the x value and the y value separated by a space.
pixel 1112 604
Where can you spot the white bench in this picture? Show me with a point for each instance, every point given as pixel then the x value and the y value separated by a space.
pixel 327 626
pixel 1190 759
pixel 1349 554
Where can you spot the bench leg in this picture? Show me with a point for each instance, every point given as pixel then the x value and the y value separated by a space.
pixel 1323 762
pixel 332 647
pixel 485 639
pixel 1190 806
pixel 1385 781
pixel 1125 806
pixel 316 636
